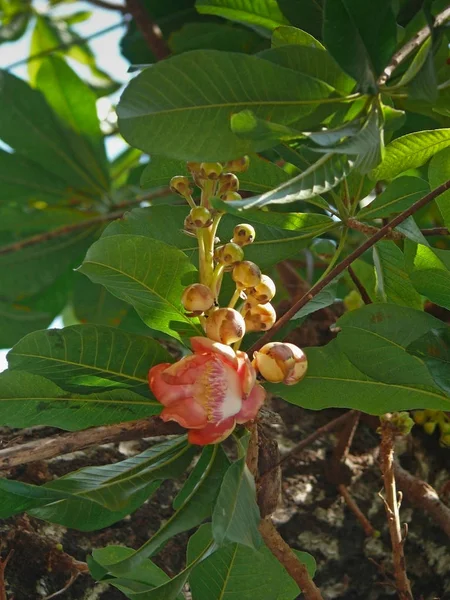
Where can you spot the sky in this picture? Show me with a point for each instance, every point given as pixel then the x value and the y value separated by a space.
pixel 109 59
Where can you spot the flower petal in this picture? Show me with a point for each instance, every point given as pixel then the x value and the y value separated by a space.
pixel 187 413
pixel 251 405
pixel 186 370
pixel 164 392
pixel 203 345
pixel 213 433
pixel 246 372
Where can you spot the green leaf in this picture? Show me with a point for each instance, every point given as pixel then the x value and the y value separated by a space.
pixel 433 348
pixel 306 14
pixel 431 275
pixel 95 497
pixel 177 121
pixel 214 36
pixel 312 61
pixel 411 151
pixel 320 177
pixel 399 195
pixel 374 339
pixel 333 381
pixel 261 175
pixel 237 572
pixel 361 37
pixel 148 274
pixel 286 35
pixel 393 283
pixel 236 514
pixel 246 125
pixel 41 139
pixel 261 13
pixel 27 400
pixel 438 173
pixel 194 507
pixel 92 303
pixel 75 103
pixel 87 358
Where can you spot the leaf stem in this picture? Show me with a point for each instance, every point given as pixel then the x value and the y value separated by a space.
pixel 340 268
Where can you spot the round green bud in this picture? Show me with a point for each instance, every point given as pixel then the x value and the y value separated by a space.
pixel 201 216
pixel 228 182
pixel 228 254
pixel 238 165
pixel 210 170
pixel 243 234
pixel 181 185
pixel 231 196
pixel 193 167
pixel 263 292
pixel 429 427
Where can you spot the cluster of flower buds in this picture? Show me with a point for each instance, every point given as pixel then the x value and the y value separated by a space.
pixel 433 420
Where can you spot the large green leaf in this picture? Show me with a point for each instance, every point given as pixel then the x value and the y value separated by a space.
pixel 177 119
pixel 195 505
pixel 361 37
pixel 75 103
pixel 41 138
pixel 261 175
pixel 237 572
pixel 393 283
pixel 319 178
pixel 236 514
pixel 439 172
pixel 399 195
pixel 312 61
pixel 332 381
pixel 434 349
pixel 226 37
pixel 278 235
pixel 148 274
pixel 27 400
pixel 411 151
pixel 96 497
pixel 88 358
pixel 374 339
pixel 306 14
pixel 286 35
pixel 262 13
pixel 430 274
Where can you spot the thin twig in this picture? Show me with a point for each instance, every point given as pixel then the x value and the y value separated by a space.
pixel 3 565
pixel 391 502
pixel 339 268
pixel 150 30
pixel 109 5
pixel 70 442
pixel 252 450
pixel 371 229
pixel 296 569
pixel 359 286
pixel 435 231
pixel 368 528
pixel 65 46
pixel 402 54
pixel 66 229
pixel 422 495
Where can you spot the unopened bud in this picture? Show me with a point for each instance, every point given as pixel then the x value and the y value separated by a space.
pixel 228 182
pixel 263 292
pixel 193 167
pixel 429 427
pixel 444 440
pixel 419 417
pixel 210 170
pixel 280 362
pixel 225 325
pixel 181 185
pixel 228 254
pixel 230 196
pixel 246 274
pixel 189 226
pixel 260 317
pixel 238 165
pixel 197 298
pixel 243 234
pixel 201 216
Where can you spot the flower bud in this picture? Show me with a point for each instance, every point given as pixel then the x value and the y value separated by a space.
pixel 228 254
pixel 419 417
pixel 243 234
pixel 429 427
pixel 225 325
pixel 201 216
pixel 228 182
pixel 444 440
pixel 279 362
pixel 180 185
pixel 197 298
pixel 246 274
pixel 193 167
pixel 263 292
pixel 260 317
pixel 238 165
pixel 230 196
pixel 189 226
pixel 210 170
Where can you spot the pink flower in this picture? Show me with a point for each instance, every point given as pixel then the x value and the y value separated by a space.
pixel 208 392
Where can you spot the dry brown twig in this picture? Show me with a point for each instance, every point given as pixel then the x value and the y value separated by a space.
pixel 3 565
pixel 391 427
pixel 150 30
